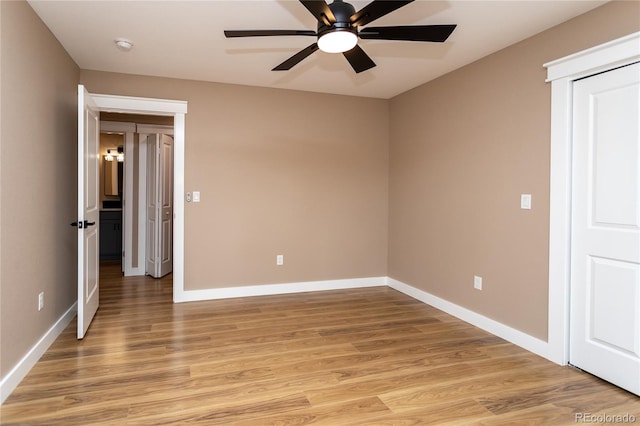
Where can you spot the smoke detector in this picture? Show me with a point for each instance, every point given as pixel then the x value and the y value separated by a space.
pixel 123 44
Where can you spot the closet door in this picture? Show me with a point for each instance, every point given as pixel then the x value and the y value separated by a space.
pixel 605 261
pixel 159 246
pixel 153 214
pixel 165 201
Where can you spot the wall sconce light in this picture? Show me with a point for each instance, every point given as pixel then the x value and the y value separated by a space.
pixel 119 154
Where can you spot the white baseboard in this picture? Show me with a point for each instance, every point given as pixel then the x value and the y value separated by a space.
pixel 135 272
pixel 15 376
pixel 517 337
pixel 270 289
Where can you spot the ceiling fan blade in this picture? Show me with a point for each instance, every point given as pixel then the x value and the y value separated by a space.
pixel 434 33
pixel 298 57
pixel 376 9
pixel 320 10
pixel 265 33
pixel 358 59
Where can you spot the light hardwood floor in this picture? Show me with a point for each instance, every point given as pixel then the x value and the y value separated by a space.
pixel 352 357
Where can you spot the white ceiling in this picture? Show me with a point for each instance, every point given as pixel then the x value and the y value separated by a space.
pixel 184 39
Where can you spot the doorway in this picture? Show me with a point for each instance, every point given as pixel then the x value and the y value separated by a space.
pixel 135 241
pixel 111 166
pixel 177 110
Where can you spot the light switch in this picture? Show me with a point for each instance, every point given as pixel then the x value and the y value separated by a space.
pixel 477 282
pixel 525 201
pixel 196 196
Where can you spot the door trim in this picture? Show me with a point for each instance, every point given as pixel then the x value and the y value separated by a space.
pixel 561 74
pixel 177 109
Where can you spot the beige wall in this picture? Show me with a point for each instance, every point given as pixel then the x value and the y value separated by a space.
pixel 38 177
pixel 463 148
pixel 280 172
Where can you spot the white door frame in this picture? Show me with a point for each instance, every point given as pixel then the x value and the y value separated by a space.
pixel 177 109
pixel 562 73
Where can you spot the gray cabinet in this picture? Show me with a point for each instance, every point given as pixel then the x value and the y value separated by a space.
pixel 110 234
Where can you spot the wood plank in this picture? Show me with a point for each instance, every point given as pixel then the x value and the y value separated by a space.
pixel 366 409
pixel 465 411
pixel 389 381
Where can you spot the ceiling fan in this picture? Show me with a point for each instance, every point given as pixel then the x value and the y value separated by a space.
pixel 338 31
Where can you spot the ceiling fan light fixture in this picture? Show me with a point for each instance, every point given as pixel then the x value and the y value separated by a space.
pixel 337 41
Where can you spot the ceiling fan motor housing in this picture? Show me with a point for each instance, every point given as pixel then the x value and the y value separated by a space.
pixel 342 12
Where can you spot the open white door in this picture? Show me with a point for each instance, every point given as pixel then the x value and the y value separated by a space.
pixel 151 252
pixel 166 205
pixel 159 251
pixel 88 209
pixel 605 268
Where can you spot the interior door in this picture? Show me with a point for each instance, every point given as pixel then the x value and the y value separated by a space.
pixel 605 268
pixel 152 257
pixel 88 210
pixel 166 205
pixel 159 205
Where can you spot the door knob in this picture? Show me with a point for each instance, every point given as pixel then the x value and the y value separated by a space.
pixel 83 224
